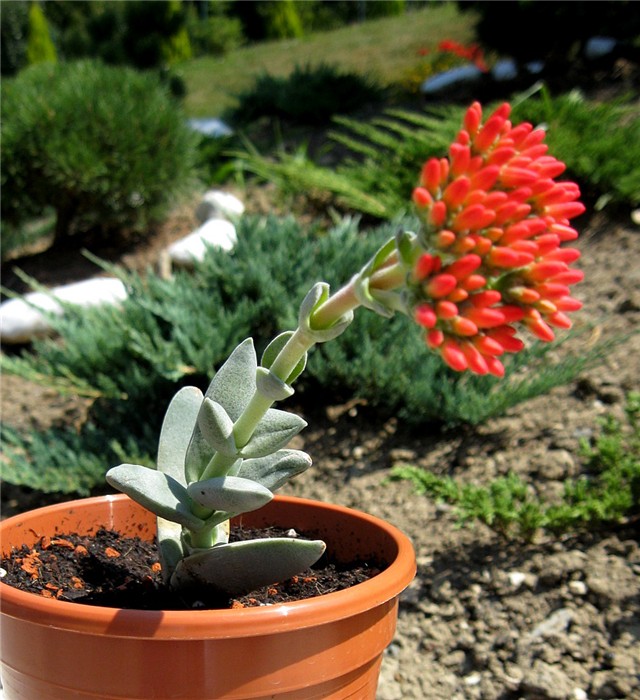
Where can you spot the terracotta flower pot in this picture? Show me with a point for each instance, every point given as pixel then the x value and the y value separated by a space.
pixel 325 647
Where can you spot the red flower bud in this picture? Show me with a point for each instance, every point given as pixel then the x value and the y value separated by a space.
pixel 438 214
pixel 485 318
pixel 435 338
pixel 464 266
pixel 463 326
pixel 475 361
pixel 446 310
pixel 473 218
pixel 440 285
pixel 425 316
pixel 453 355
pixel 455 193
pixel 421 197
pixel 431 175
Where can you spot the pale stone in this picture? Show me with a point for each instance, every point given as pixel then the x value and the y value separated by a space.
pixel 23 319
pixel 216 233
pixel 217 204
pixel 578 588
pixel 516 578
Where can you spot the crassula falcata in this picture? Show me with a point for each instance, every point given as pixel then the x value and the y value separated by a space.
pixel 488 260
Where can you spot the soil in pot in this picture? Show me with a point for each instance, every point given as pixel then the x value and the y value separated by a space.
pixel 110 570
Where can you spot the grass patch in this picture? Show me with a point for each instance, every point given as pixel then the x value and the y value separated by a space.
pixel 383 49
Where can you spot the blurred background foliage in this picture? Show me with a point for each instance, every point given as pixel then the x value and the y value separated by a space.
pixel 344 136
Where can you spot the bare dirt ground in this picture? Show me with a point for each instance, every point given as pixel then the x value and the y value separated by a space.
pixel 485 618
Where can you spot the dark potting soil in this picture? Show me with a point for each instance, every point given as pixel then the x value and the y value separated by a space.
pixel 109 570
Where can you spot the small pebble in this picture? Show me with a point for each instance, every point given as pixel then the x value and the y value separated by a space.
pixel 516 578
pixel 578 587
pixel 473 679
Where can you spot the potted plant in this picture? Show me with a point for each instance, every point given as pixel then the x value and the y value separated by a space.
pixel 489 256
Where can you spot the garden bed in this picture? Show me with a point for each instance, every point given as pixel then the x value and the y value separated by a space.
pixel 485 617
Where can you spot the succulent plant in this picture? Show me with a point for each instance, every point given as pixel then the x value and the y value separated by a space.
pixel 488 256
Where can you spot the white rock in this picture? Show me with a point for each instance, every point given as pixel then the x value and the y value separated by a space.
pixel 516 578
pixel 22 319
pixel 599 46
pixel 579 694
pixel 534 67
pixel 456 76
pixel 218 233
pixel 210 126
pixel 504 69
pixel 473 679
pixel 578 587
pixel 216 204
pixel 556 623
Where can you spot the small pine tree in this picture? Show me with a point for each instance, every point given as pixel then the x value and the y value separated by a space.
pixel 40 47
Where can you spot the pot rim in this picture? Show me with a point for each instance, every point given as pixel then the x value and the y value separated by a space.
pixel 217 624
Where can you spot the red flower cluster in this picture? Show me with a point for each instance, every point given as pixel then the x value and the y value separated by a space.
pixel 471 53
pixel 495 220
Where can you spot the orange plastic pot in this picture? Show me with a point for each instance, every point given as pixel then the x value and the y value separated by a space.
pixel 325 647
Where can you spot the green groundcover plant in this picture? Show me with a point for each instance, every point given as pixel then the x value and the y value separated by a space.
pixel 608 491
pixel 487 259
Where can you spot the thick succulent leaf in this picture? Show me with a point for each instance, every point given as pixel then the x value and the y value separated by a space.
pixel 157 492
pixel 232 387
pixel 216 427
pixel 177 428
pixel 234 383
pixel 271 386
pixel 273 432
pixel 274 470
pixel 272 350
pixel 170 546
pixel 241 567
pixel 229 493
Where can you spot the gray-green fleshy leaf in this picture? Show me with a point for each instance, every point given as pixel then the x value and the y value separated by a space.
pixel 241 567
pixel 274 470
pixel 232 494
pixel 273 432
pixel 234 384
pixel 177 427
pixel 232 387
pixel 157 492
pixel 271 386
pixel 272 350
pixel 318 294
pixel 216 427
pixel 170 546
